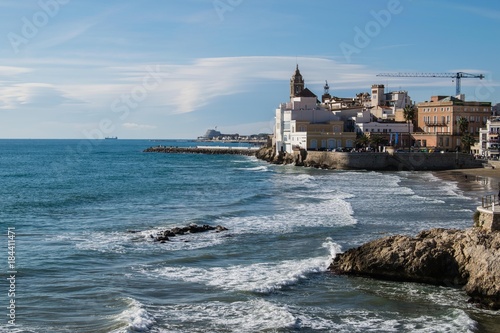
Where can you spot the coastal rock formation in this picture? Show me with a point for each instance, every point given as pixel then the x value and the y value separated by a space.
pixel 459 258
pixel 165 235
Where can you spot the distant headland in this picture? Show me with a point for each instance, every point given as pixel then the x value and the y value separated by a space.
pixel 212 135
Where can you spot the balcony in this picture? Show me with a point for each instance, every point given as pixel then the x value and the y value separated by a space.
pixel 436 123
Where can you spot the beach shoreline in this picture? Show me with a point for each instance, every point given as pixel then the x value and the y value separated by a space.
pixel 480 181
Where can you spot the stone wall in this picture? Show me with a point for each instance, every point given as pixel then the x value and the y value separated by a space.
pixel 384 161
pixel 488 220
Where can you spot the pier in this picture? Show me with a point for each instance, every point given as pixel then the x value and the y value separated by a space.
pixel 209 150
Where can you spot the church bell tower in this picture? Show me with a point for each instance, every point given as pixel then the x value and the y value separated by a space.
pixel 296 83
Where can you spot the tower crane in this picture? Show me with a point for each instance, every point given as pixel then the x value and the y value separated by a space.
pixel 457 76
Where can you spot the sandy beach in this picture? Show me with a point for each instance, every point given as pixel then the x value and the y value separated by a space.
pixel 481 180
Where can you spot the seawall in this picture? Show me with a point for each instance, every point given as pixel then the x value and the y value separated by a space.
pixel 340 160
pixel 372 161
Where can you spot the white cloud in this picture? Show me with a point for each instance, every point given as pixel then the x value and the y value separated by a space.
pixel 135 126
pixel 12 70
pixel 191 87
pixel 32 95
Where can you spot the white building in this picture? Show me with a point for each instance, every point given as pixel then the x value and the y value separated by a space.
pixel 489 139
pixel 304 124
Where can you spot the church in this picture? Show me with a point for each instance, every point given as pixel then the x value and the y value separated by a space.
pixel 303 123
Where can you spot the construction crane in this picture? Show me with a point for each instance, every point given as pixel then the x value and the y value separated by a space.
pixel 457 76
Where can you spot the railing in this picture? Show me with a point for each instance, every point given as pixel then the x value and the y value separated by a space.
pixel 489 201
pixel 436 123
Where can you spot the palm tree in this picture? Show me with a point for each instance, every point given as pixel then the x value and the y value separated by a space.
pixel 463 125
pixel 377 140
pixel 363 140
pixel 467 141
pixel 463 128
pixel 409 115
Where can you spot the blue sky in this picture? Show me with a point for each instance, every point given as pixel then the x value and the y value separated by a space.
pixel 174 68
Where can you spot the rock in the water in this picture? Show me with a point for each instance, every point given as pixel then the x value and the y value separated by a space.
pixel 164 235
pixel 468 258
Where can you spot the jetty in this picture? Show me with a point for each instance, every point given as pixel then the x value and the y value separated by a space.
pixel 208 150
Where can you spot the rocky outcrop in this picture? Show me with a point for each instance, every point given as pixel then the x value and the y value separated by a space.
pixel 459 258
pixel 165 235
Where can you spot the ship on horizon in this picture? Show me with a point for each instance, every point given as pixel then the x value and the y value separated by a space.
pixel 111 138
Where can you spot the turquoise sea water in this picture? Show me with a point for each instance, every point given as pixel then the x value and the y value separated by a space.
pixel 84 213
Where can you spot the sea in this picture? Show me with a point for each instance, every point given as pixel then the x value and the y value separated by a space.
pixel 78 220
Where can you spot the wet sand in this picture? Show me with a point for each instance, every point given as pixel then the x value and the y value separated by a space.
pixel 482 181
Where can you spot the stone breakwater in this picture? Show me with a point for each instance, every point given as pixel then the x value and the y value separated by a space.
pixel 202 150
pixel 456 258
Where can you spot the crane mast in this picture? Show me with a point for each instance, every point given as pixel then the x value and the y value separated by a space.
pixel 457 76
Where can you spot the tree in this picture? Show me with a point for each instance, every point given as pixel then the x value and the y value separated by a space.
pixel 465 137
pixel 363 140
pixel 409 115
pixel 463 125
pixel 377 140
pixel 467 142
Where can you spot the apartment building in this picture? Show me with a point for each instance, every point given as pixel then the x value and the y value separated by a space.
pixel 438 121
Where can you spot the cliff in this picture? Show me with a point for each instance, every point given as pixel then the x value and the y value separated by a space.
pixel 456 258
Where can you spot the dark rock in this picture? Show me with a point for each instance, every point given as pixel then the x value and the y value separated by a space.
pixel 165 235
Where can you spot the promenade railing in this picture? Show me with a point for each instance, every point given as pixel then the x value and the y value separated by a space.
pixel 489 201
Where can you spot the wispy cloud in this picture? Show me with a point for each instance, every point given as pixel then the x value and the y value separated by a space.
pixel 394 46
pixel 480 11
pixel 12 70
pixel 60 35
pixel 135 126
pixel 33 95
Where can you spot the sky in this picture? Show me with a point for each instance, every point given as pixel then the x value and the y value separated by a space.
pixel 171 69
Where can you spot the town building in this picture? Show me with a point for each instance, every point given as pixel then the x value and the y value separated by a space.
pixel 489 139
pixel 304 123
pixel 438 121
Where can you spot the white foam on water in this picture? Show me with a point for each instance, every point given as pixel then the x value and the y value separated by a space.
pixel 446 187
pixel 257 277
pixel 361 321
pixel 262 168
pixel 256 315
pixel 18 328
pixel 329 210
pixel 135 318
pixel 124 242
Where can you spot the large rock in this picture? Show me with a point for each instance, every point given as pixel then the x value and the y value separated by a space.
pixel 460 258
